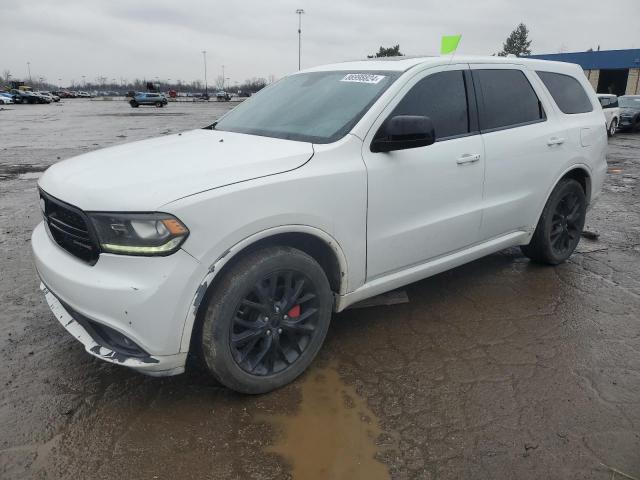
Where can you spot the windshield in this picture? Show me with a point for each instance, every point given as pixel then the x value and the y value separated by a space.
pixel 318 107
pixel 629 102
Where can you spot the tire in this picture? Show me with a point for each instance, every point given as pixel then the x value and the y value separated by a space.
pixel 613 127
pixel 134 104
pixel 560 225
pixel 247 343
pixel 159 104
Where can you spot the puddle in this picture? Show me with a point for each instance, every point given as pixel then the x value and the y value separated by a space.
pixel 138 114
pixel 332 436
pixel 29 175
pixel 24 171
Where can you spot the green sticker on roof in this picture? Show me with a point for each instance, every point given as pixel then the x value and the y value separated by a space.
pixel 362 78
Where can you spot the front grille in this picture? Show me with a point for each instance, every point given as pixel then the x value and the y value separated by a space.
pixel 69 227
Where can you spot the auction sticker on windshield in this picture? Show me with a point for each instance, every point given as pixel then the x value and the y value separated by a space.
pixel 362 78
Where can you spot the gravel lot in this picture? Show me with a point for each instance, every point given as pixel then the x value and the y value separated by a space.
pixel 497 369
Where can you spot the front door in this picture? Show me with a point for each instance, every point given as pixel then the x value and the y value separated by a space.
pixel 426 202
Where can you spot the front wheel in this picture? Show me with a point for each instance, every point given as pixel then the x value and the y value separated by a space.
pixel 560 226
pixel 266 320
pixel 159 104
pixel 613 127
pixel 134 104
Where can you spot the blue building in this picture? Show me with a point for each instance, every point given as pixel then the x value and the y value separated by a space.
pixel 608 71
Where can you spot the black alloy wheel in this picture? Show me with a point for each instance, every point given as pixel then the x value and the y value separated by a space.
pixel 566 224
pixel 265 320
pixel 559 228
pixel 274 323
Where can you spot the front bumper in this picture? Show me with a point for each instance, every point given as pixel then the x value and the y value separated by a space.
pixel 625 122
pixel 146 299
pixel 155 366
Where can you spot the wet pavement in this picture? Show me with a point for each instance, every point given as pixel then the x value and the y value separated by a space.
pixel 497 369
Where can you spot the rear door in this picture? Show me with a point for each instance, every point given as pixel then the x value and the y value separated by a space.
pixel 524 146
pixel 426 202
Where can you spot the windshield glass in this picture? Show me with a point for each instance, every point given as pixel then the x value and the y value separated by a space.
pixel 318 107
pixel 629 102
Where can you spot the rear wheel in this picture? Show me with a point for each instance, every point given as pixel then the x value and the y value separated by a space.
pixel 613 127
pixel 266 320
pixel 159 104
pixel 134 104
pixel 560 226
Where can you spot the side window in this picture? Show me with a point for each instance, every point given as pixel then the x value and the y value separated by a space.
pixel 441 97
pixel 614 102
pixel 604 101
pixel 567 92
pixel 507 99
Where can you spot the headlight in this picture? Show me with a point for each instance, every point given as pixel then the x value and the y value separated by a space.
pixel 139 233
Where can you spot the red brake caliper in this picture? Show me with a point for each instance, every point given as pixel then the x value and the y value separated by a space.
pixel 294 312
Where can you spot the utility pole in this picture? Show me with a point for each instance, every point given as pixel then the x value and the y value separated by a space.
pixel 29 71
pixel 204 56
pixel 299 12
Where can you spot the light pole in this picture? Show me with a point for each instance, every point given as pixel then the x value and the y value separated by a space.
pixel 29 71
pixel 204 56
pixel 84 81
pixel 299 12
pixel 222 78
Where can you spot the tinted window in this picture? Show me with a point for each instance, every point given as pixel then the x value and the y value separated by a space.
pixel 507 99
pixel 604 101
pixel 441 97
pixel 567 92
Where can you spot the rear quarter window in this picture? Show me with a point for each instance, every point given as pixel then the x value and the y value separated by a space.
pixel 567 92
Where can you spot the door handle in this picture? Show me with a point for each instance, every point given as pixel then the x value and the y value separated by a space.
pixel 468 158
pixel 555 141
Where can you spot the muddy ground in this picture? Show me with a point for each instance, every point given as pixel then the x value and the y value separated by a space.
pixel 498 369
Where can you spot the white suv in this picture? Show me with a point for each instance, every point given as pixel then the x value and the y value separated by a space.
pixel 237 241
pixel 611 111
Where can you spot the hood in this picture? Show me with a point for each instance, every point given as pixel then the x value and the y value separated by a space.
pixel 144 175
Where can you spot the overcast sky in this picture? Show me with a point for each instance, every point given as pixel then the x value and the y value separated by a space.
pixel 164 38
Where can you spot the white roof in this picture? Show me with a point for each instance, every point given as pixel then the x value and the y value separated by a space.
pixel 401 64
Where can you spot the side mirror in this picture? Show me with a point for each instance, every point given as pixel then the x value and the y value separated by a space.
pixel 402 132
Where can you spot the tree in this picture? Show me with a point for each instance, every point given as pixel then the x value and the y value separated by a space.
pixel 387 52
pixel 517 42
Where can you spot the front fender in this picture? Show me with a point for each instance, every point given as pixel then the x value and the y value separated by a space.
pixel 230 253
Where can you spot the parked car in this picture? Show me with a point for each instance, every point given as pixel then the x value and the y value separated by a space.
pixel 82 94
pixel 629 112
pixel 155 99
pixel 611 111
pixel 24 96
pixel 236 242
pixel 222 96
pixel 42 98
pixel 51 96
pixel 6 98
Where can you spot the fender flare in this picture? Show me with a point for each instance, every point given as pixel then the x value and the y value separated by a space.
pixel 239 247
